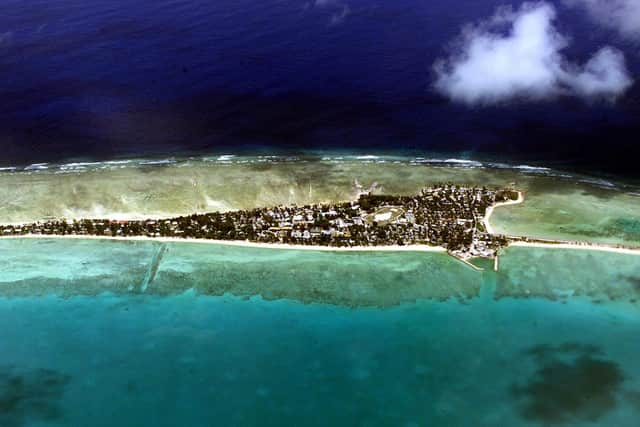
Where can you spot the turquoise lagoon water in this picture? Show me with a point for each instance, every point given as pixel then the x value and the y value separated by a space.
pixel 109 333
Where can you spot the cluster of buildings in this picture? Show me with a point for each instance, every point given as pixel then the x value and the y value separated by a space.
pixel 445 215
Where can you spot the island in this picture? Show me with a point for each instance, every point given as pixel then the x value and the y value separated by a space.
pixel 449 216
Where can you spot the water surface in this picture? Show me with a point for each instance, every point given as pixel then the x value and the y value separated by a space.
pixel 238 336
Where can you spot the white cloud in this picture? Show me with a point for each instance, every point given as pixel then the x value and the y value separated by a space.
pixel 620 15
pixel 490 66
pixel 604 75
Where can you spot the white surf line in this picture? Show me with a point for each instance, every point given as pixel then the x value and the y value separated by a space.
pixel 489 212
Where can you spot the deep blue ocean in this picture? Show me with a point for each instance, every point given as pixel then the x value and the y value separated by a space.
pixel 103 79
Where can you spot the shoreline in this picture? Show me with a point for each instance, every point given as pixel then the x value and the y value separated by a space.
pixel 283 246
pixel 577 246
pixel 552 245
pixel 241 243
pixel 489 212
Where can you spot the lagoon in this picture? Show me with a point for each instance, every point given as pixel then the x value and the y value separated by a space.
pixel 243 336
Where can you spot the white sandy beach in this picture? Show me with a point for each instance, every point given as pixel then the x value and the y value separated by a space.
pixel 489 212
pixel 241 243
pixel 390 248
pixel 578 246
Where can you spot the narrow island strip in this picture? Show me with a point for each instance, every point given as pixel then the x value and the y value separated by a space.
pixel 443 218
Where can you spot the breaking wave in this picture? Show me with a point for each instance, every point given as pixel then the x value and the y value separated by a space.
pixel 337 158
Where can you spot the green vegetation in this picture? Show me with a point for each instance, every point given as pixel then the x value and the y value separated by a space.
pixel 444 215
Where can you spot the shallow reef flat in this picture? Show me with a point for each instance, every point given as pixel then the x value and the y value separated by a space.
pixel 70 267
pixel 556 206
pixel 573 211
pixel 91 267
pixel 559 274
pixel 184 188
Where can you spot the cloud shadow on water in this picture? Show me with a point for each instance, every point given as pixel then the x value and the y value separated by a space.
pixel 30 395
pixel 572 382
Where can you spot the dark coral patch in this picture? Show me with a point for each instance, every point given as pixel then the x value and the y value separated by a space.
pixel 571 382
pixel 635 282
pixel 30 395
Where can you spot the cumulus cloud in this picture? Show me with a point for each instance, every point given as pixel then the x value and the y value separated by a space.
pixel 604 75
pixel 490 65
pixel 620 15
